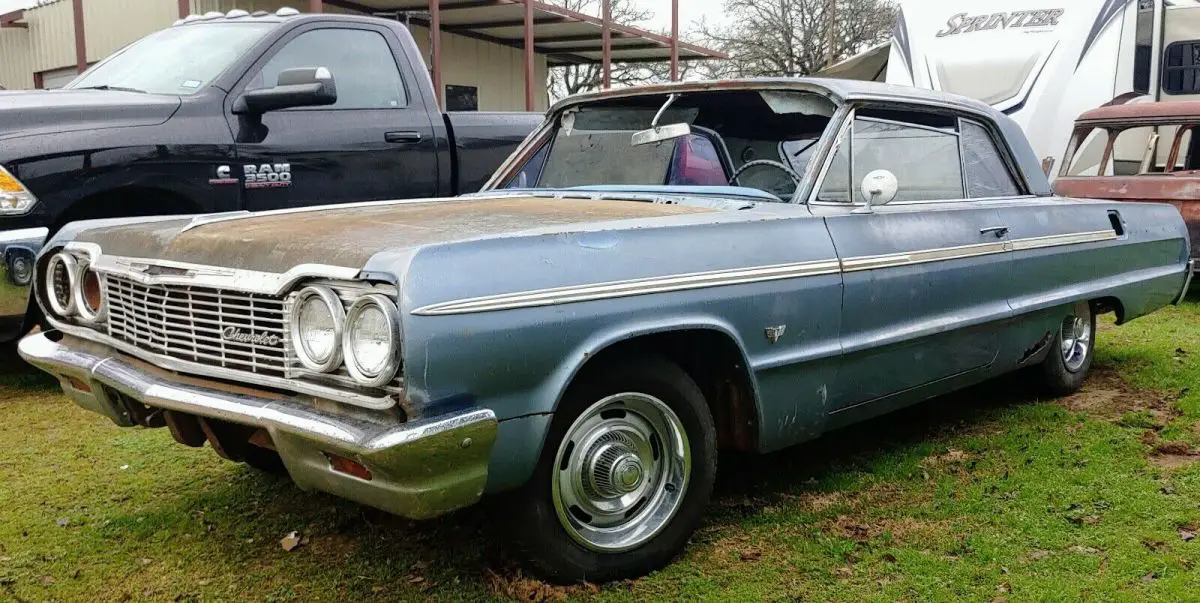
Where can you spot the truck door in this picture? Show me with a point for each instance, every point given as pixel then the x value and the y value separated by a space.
pixel 924 277
pixel 377 142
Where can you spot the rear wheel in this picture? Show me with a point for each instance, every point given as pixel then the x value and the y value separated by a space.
pixel 624 477
pixel 1067 364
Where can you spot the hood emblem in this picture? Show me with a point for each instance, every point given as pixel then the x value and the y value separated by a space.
pixel 237 335
pixel 153 270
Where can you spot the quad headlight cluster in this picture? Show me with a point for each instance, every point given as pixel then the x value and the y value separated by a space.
pixel 365 337
pixel 74 289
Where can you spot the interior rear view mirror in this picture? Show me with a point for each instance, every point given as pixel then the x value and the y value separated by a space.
pixel 661 133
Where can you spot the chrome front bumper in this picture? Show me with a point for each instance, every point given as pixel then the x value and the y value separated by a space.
pixel 18 252
pixel 419 469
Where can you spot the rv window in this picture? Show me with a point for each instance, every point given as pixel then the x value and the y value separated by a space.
pixel 1181 68
pixel 987 174
pixel 1089 153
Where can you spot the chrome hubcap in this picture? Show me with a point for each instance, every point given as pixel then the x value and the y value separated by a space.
pixel 1077 337
pixel 621 472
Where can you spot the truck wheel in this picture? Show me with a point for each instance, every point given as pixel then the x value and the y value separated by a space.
pixel 626 471
pixel 1067 364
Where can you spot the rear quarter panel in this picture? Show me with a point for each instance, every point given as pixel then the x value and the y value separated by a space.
pixel 1138 256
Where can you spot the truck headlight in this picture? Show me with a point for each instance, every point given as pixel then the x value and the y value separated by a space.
pixel 316 328
pixel 371 340
pixel 61 274
pixel 88 294
pixel 15 199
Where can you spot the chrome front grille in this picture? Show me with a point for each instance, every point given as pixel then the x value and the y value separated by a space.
pixel 216 327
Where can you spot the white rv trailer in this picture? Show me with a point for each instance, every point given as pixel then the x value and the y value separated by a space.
pixel 1042 62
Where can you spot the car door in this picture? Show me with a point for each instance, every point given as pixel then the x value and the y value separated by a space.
pixel 377 142
pixel 924 293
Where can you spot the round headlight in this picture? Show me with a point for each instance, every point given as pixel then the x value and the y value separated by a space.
pixel 61 274
pixel 88 294
pixel 371 340
pixel 316 328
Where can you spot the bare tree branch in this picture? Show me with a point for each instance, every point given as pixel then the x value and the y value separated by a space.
pixel 792 38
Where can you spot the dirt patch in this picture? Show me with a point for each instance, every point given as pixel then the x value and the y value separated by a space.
pixel 522 588
pixel 1173 461
pixel 1107 396
pixel 854 528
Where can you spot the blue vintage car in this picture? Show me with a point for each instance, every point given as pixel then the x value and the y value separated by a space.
pixel 655 275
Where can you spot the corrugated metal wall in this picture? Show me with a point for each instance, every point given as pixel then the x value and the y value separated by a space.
pixel 498 71
pixel 111 24
pixel 49 44
pixel 16 68
pixel 51 35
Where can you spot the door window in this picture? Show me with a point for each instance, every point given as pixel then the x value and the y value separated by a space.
pixel 921 150
pixel 363 67
pixel 987 175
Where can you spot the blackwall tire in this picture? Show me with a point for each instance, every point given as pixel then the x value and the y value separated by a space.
pixel 624 477
pixel 1070 358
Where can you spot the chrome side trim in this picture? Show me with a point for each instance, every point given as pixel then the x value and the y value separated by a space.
pixel 204 370
pixel 643 286
pixel 741 276
pixel 1094 236
pixel 893 260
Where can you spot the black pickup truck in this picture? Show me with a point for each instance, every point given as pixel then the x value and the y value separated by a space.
pixel 234 112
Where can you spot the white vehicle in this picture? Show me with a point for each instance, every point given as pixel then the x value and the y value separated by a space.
pixel 1043 63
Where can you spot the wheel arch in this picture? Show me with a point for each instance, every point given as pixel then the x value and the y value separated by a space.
pixel 126 201
pixel 709 352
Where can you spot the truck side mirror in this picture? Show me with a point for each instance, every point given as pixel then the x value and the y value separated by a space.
pixel 299 87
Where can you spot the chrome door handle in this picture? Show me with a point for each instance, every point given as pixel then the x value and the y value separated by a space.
pixel 402 137
pixel 999 231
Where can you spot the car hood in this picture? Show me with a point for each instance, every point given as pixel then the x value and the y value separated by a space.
pixel 24 113
pixel 349 236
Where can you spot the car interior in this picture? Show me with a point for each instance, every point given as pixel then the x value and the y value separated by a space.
pixel 757 140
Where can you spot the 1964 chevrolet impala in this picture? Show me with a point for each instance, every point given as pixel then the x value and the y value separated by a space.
pixel 655 275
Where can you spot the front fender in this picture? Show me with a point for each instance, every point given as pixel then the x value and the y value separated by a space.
pixel 522 439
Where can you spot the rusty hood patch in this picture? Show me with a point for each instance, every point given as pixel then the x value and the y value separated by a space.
pixel 349 236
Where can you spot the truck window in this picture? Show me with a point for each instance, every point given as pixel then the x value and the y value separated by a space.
pixel 361 62
pixel 1181 65
pixel 1088 154
pixel 177 60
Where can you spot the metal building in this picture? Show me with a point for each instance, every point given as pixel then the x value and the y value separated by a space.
pixel 491 55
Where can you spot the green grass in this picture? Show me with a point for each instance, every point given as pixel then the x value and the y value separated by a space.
pixel 989 493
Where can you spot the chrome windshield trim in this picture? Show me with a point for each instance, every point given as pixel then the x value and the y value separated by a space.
pixel 630 288
pixel 203 370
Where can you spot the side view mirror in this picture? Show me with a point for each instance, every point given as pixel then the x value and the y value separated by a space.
pixel 300 87
pixel 879 188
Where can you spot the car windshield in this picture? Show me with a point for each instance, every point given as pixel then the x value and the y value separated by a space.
pixel 177 60
pixel 759 140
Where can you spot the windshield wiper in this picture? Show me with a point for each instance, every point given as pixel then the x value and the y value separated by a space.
pixel 106 87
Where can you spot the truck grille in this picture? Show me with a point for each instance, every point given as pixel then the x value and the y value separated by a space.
pixel 216 327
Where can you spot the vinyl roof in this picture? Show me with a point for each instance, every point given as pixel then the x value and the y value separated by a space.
pixel 564 36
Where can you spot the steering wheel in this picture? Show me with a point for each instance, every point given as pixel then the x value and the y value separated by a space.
pixel 765 162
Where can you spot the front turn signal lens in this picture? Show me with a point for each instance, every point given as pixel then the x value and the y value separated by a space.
pixel 15 199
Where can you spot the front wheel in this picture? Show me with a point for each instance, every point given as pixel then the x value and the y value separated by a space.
pixel 627 469
pixel 1067 364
